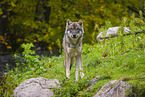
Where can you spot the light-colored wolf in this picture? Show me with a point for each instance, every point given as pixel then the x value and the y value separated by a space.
pixel 72 44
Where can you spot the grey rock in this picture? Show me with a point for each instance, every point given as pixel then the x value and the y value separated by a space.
pixel 116 88
pixel 92 82
pixel 110 31
pixel 113 30
pixel 36 87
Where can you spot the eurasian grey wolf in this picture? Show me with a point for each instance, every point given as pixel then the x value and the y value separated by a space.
pixel 72 44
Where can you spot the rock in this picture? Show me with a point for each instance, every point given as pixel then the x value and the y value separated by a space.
pixel 113 30
pixel 110 31
pixel 100 36
pixel 36 87
pixel 93 82
pixel 114 88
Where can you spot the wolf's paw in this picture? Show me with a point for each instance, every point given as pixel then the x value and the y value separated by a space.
pixel 82 74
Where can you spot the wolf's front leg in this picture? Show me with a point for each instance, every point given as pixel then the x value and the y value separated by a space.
pixel 79 66
pixel 67 65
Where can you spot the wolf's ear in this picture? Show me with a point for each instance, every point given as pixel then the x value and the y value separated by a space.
pixel 68 22
pixel 80 23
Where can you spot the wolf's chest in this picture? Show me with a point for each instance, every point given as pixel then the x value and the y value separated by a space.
pixel 74 51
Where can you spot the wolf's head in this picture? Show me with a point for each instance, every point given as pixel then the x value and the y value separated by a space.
pixel 74 29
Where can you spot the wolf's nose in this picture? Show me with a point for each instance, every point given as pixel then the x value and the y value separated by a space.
pixel 74 36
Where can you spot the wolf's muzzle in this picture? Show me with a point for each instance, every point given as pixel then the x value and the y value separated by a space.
pixel 74 36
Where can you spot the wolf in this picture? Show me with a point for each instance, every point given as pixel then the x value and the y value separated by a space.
pixel 72 45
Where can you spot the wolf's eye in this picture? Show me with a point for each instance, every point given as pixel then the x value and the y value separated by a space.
pixel 78 31
pixel 77 28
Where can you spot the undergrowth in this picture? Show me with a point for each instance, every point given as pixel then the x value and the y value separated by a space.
pixel 117 58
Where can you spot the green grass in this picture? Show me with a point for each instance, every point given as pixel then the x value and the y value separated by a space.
pixel 115 59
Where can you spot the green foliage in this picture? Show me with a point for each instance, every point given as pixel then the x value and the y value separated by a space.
pixel 39 21
pixel 31 61
pixel 67 89
pixel 7 84
pixel 110 61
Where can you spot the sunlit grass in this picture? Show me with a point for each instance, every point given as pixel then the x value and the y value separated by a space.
pixel 109 61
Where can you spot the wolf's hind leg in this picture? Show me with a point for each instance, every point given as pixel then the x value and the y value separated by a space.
pixel 71 63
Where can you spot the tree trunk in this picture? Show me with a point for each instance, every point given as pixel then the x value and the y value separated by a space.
pixel 4 29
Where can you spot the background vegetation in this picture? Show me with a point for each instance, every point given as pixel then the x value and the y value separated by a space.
pixel 117 58
pixel 42 22
pixel 40 25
